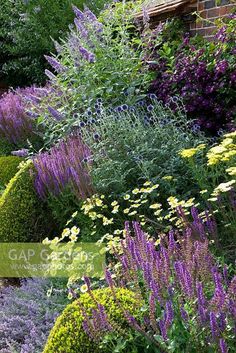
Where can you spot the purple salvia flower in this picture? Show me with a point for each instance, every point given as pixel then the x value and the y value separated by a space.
pixel 223 346
pixel 184 314
pixel 171 245
pixel 109 278
pixel 169 313
pixel 163 329
pixel 213 325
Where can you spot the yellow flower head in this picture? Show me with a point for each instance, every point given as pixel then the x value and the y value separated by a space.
pixel 155 206
pixel 75 231
pixel 167 177
pixel 84 288
pixel 107 221
pixel 147 183
pixel 114 203
pixel 135 191
pixel 132 213
pixel 127 197
pixel 224 187
pixel 115 209
pixel 231 171
pixel 126 210
pixel 188 153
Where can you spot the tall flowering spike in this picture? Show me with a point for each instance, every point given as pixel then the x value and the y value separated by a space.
pixel 78 13
pixel 53 169
pixel 55 64
pixel 89 14
pixel 16 125
pixel 87 55
pixel 50 75
pixel 223 346
pixel 81 28
pixel 213 325
pixel 171 245
pixel 55 113
pixel 109 278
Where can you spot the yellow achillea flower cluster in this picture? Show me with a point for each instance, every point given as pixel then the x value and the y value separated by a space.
pixel 223 152
pixel 222 188
pixel 190 152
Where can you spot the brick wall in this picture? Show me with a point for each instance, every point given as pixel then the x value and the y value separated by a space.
pixel 210 10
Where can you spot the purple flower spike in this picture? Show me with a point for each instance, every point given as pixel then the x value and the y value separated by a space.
pixel 223 346
pixel 78 13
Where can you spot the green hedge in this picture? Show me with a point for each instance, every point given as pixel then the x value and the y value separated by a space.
pixel 22 215
pixel 5 148
pixel 8 168
pixel 67 336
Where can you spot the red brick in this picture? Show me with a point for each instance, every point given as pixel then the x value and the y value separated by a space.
pixel 203 14
pixel 223 10
pixel 213 13
pixel 200 6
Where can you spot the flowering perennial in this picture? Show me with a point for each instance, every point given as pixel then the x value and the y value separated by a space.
pixel 182 286
pixel 66 164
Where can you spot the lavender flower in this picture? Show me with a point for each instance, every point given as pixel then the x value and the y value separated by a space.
pixel 55 64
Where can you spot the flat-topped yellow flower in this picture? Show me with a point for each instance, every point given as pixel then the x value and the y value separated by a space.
pixel 115 209
pixel 155 206
pixel 106 221
pixel 188 153
pixel 231 171
pixel 224 187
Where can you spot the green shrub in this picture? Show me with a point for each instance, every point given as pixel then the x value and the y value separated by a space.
pixel 22 214
pixel 5 148
pixel 67 336
pixel 8 168
pixel 26 32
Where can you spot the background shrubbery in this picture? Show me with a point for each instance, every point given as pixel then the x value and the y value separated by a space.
pixel 26 31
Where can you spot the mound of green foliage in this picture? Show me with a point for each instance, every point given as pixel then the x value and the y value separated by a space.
pixel 68 335
pixel 8 168
pixel 22 215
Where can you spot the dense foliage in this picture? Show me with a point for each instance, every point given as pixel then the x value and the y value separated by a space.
pixel 201 73
pixel 119 150
pixel 22 216
pixel 26 32
pixel 8 168
pixel 189 301
pixel 68 335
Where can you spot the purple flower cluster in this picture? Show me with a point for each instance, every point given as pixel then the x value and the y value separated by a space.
pixel 65 165
pixel 82 42
pixel 27 315
pixel 15 124
pixel 180 282
pixel 204 77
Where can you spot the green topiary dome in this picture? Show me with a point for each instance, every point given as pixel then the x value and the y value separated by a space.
pixel 67 336
pixel 8 168
pixel 23 216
